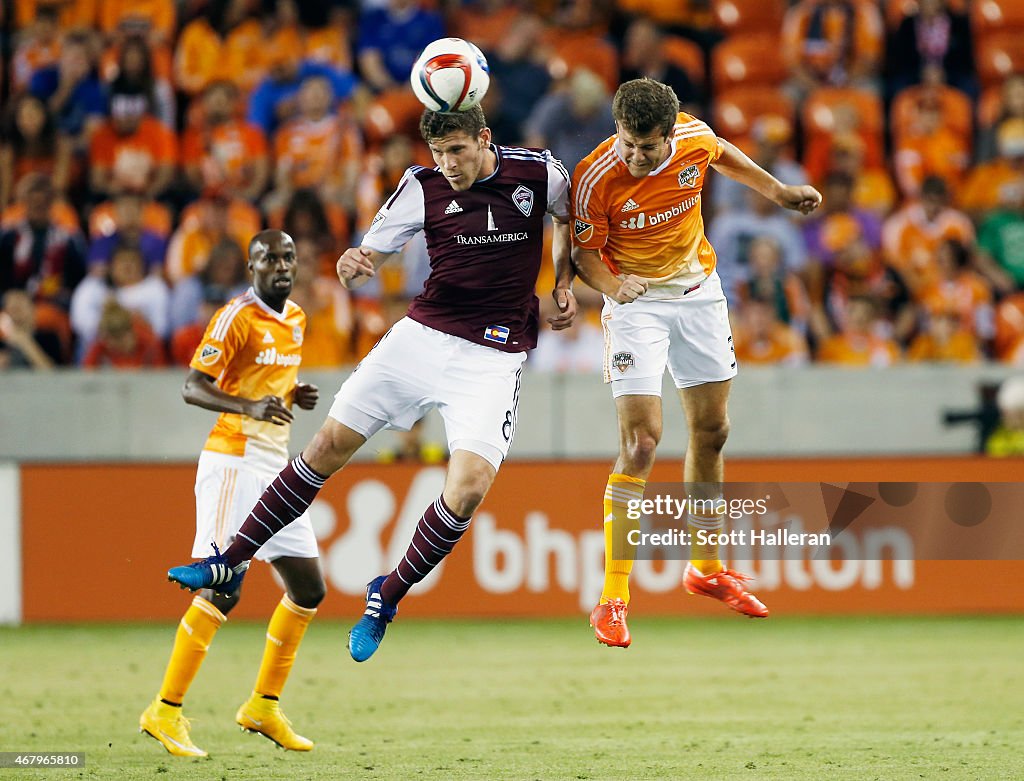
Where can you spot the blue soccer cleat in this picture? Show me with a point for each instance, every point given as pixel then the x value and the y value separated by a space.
pixel 364 638
pixel 212 572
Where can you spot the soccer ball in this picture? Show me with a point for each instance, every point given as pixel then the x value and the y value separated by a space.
pixel 450 75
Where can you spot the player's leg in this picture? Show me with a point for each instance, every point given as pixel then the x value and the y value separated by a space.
pixel 707 420
pixel 439 529
pixel 220 485
pixel 284 500
pixel 636 346
pixel 261 713
pixel 702 364
pixel 478 398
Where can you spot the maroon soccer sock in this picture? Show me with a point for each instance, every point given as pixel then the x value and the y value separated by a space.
pixel 436 534
pixel 285 499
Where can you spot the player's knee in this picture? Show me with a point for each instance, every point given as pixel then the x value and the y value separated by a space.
pixel 329 450
pixel 309 594
pixel 712 435
pixel 467 494
pixel 639 451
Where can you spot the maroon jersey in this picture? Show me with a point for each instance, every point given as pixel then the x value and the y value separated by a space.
pixel 484 243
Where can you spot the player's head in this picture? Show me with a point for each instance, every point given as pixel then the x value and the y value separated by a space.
pixel 645 112
pixel 460 144
pixel 272 264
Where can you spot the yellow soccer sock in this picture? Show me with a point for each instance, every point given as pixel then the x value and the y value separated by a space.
pixel 704 556
pixel 285 632
pixel 195 633
pixel 618 553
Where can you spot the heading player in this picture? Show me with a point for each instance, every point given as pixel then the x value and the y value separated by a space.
pixel 460 348
pixel 246 368
pixel 639 239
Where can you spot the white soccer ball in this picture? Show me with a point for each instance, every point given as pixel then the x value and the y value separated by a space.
pixel 450 75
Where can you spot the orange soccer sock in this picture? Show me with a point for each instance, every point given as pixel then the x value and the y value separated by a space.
pixel 285 632
pixel 704 555
pixel 195 633
pixel 618 552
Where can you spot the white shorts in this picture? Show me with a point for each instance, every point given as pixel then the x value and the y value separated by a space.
pixel 227 488
pixel 413 369
pixel 690 336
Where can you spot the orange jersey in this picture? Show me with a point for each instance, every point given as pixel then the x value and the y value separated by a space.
pixel 224 153
pixel 253 352
pixel 651 227
pixel 313 151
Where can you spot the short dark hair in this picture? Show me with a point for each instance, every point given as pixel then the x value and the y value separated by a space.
pixel 435 124
pixel 645 106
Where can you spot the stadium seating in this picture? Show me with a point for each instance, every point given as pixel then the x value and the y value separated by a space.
pixel 957 110
pixel 736 110
pixel 748 16
pixel 999 54
pixel 748 59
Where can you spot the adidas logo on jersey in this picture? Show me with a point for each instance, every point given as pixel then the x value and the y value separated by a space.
pixel 630 205
pixel 453 208
pixel 271 356
pixel 267 338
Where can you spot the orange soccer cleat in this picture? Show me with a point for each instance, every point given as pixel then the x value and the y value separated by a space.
pixel 609 622
pixel 725 586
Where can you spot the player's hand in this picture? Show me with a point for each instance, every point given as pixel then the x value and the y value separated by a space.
pixel 631 287
pixel 354 262
pixel 306 395
pixel 566 303
pixel 802 198
pixel 271 409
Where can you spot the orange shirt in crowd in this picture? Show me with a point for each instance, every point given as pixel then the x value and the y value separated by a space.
pixel 157 16
pixel 148 352
pixel 314 151
pixel 134 158
pixel 71 13
pixel 940 153
pixel 190 246
pixel 783 345
pixel 252 351
pixel 910 242
pixel 155 217
pixel 991 185
pixel 652 226
pixel 962 296
pixel 961 347
pixel 859 350
pixel 198 57
pixel 223 153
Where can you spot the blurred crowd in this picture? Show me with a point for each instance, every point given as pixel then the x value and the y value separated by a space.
pixel 142 142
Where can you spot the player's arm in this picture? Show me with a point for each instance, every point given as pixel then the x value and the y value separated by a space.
pixel 736 165
pixel 565 300
pixel 622 288
pixel 201 389
pixel 357 264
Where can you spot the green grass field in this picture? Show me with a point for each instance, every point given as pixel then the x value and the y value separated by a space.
pixel 722 699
